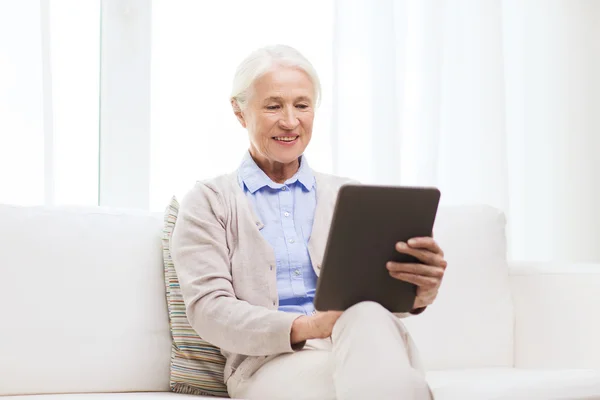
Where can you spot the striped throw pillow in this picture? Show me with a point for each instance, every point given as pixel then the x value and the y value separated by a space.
pixel 196 365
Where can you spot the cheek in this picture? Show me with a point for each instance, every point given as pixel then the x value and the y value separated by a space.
pixel 256 128
pixel 265 124
pixel 307 123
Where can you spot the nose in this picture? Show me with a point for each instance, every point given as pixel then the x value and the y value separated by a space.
pixel 289 121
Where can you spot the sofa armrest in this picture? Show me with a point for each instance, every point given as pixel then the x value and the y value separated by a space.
pixel 557 315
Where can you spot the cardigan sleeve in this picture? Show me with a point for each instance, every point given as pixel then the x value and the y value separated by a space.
pixel 201 258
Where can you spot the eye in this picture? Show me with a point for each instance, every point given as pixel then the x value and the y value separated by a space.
pixel 302 106
pixel 273 108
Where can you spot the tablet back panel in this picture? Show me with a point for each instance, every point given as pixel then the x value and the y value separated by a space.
pixel 367 223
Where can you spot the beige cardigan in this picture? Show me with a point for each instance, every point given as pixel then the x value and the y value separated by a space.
pixel 227 272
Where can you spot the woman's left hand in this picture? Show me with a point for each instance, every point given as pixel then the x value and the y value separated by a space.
pixel 427 274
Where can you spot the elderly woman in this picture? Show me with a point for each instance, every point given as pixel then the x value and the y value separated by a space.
pixel 248 246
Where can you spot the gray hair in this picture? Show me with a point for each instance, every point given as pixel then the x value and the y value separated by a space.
pixel 262 61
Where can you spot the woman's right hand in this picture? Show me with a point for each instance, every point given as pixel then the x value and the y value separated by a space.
pixel 318 326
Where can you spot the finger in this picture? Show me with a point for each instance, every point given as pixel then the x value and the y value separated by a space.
pixel 419 280
pixel 425 299
pixel 425 256
pixel 427 243
pixel 416 269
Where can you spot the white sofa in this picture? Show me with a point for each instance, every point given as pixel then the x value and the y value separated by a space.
pixel 82 311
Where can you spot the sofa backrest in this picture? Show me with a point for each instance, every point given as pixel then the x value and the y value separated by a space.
pixel 471 323
pixel 82 304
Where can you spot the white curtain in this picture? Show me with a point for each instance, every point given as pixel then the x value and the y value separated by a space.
pixel 49 91
pixel 494 102
pixel 21 104
pixel 196 46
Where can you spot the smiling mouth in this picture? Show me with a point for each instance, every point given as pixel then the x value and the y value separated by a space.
pixel 286 138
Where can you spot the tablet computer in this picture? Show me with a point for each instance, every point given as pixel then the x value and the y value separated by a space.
pixel 367 223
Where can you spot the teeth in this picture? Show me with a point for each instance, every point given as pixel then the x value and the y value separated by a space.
pixel 286 139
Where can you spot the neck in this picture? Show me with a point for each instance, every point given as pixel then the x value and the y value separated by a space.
pixel 276 171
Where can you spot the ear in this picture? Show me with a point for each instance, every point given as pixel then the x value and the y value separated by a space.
pixel 238 112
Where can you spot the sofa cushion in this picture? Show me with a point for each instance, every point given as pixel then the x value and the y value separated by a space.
pixel 482 384
pixel 82 305
pixel 470 325
pixel 196 365
pixel 112 396
pixel 515 384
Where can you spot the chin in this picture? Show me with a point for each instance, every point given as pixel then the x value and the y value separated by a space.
pixel 288 158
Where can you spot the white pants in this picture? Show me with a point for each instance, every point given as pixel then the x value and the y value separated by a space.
pixel 370 356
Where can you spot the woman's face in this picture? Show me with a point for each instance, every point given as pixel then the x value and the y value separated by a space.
pixel 279 116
